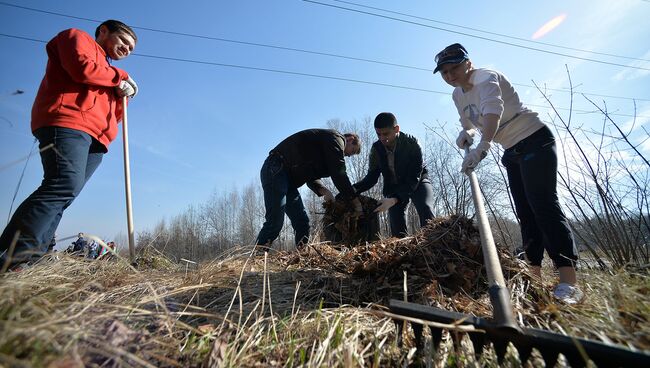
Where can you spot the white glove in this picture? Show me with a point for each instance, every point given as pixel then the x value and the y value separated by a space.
pixel 385 204
pixel 465 138
pixel 327 195
pixel 474 156
pixel 127 88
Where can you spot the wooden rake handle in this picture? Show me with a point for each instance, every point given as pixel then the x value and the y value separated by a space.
pixel 499 294
pixel 127 180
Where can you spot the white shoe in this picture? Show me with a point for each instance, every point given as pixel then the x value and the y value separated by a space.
pixel 567 293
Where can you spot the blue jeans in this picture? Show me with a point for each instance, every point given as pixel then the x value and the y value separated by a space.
pixel 422 200
pixel 67 166
pixel 281 198
pixel 531 165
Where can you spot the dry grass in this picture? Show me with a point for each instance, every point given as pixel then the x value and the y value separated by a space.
pixel 319 307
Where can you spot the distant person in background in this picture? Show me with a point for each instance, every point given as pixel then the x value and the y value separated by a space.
pixel 78 246
pixel 93 249
pixel 107 252
pixel 397 156
pixel 486 101
pixel 74 117
pixel 304 157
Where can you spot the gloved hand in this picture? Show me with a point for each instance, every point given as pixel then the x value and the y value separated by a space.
pixel 127 88
pixel 385 204
pixel 327 195
pixel 474 156
pixel 465 138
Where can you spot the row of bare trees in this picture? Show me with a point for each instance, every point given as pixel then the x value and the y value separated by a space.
pixel 603 181
pixel 233 218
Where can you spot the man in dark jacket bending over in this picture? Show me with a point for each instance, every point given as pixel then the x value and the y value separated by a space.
pixel 304 157
pixel 398 158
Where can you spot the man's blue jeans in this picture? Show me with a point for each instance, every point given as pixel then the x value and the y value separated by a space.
pixel 281 198
pixel 67 166
pixel 422 200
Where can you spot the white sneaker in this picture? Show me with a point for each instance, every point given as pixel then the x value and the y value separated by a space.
pixel 567 293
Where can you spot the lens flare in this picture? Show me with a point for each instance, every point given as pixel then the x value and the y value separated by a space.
pixel 549 26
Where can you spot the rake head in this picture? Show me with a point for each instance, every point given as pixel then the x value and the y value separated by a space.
pixel 577 351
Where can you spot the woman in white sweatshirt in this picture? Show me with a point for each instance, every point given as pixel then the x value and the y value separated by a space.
pixel 486 101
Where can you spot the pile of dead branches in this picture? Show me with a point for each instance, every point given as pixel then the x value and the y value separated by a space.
pixel 342 225
pixel 444 258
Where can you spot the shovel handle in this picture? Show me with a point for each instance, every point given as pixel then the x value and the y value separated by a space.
pixel 499 294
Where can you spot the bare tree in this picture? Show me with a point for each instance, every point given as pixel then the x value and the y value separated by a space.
pixel 250 217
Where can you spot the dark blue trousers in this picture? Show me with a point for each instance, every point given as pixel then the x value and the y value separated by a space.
pixel 422 200
pixel 67 166
pixel 531 165
pixel 281 198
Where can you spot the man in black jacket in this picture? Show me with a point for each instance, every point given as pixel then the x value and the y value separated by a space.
pixel 398 158
pixel 304 157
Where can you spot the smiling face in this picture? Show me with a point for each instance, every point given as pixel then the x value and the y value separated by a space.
pixel 457 75
pixel 117 45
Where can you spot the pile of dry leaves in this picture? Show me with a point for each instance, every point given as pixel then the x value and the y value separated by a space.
pixel 342 225
pixel 442 260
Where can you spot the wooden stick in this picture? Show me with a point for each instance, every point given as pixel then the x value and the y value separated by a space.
pixel 499 294
pixel 490 255
pixel 127 181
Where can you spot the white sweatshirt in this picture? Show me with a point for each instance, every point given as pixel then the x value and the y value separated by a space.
pixel 492 93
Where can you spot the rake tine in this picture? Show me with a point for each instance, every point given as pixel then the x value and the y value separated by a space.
pixel 524 352
pixel 478 341
pixel 550 356
pixel 575 360
pixel 436 337
pixel 419 337
pixel 500 348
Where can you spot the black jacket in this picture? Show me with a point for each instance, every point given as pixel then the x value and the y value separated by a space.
pixel 409 168
pixel 313 154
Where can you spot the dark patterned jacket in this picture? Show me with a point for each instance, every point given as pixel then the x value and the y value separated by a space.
pixel 409 168
pixel 313 154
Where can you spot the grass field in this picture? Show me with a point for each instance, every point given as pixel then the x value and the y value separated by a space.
pixel 320 307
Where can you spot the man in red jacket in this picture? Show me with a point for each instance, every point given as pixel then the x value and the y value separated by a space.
pixel 74 117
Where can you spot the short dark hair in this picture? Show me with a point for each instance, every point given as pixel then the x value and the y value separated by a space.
pixel 355 140
pixel 116 26
pixel 385 120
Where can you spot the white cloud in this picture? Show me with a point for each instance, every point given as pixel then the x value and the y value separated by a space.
pixel 629 74
pixel 638 129
pixel 643 112
pixel 645 146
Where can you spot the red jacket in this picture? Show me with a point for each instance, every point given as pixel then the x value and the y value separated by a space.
pixel 78 89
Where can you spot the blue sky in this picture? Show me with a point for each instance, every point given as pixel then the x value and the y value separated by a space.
pixel 199 127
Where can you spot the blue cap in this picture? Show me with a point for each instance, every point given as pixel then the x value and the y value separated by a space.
pixel 452 54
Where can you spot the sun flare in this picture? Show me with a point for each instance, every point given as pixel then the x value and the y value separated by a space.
pixel 549 26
